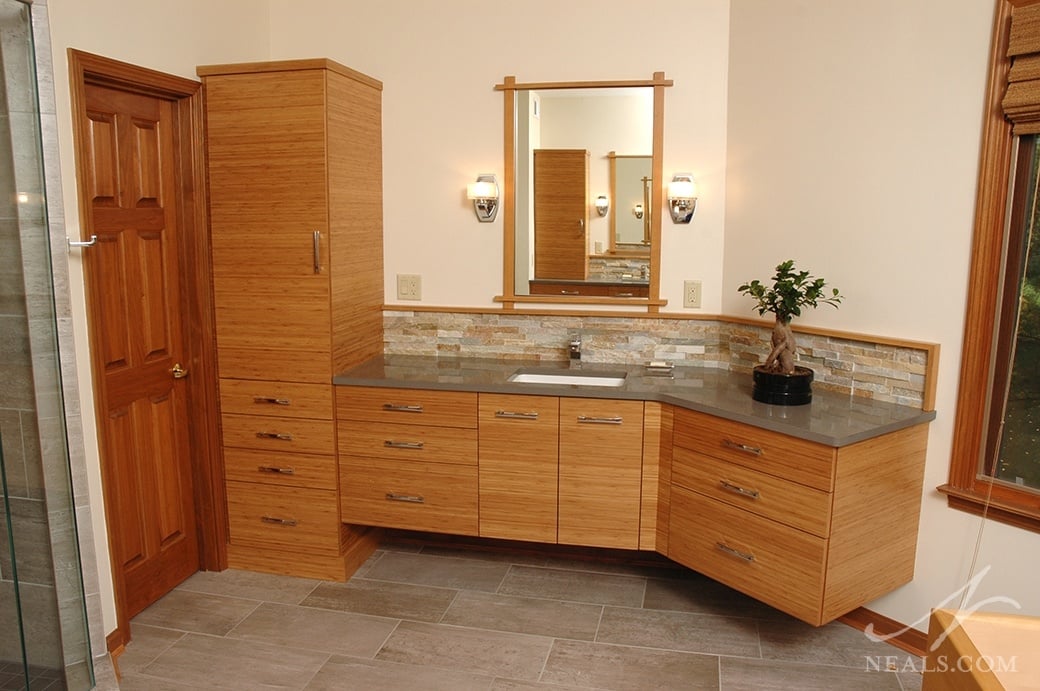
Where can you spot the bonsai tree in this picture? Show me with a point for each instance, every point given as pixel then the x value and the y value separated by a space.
pixel 791 291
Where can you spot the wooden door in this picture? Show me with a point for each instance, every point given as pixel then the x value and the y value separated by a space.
pixel 561 213
pixel 128 188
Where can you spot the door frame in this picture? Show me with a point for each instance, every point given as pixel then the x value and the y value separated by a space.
pixel 196 305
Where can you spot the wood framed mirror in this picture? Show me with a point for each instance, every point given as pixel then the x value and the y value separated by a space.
pixel 557 137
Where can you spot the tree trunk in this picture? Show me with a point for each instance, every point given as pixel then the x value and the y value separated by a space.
pixel 781 357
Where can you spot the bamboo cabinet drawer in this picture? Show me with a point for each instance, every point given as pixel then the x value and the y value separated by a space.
pixel 601 468
pixel 276 399
pixel 283 517
pixel 778 454
pixel 278 434
pixel 771 562
pixel 788 502
pixel 436 497
pixel 280 469
pixel 407 406
pixel 408 442
pixel 518 457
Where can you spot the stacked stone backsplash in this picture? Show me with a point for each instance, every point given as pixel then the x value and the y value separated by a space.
pixel 616 268
pixel 860 368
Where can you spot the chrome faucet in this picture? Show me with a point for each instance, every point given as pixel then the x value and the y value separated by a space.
pixel 575 348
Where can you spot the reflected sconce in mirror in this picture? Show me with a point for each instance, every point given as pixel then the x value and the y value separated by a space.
pixel 637 210
pixel 602 205
pixel 484 194
pixel 682 198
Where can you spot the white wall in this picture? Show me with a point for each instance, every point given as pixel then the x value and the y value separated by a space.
pixel 171 37
pixel 442 118
pixel 854 134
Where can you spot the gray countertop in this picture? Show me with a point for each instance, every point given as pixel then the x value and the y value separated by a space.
pixel 832 419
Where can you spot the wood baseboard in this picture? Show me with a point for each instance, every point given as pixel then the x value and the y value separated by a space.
pixel 116 644
pixel 905 638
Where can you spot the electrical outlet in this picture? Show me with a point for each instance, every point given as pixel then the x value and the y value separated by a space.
pixel 691 294
pixel 409 287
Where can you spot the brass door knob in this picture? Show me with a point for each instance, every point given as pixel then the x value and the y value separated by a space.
pixel 178 372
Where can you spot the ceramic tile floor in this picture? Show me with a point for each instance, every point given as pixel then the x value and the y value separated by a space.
pixel 434 617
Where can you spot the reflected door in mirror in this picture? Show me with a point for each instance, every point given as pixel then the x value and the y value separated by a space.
pixel 561 213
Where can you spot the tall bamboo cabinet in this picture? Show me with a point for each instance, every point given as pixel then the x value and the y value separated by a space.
pixel 294 153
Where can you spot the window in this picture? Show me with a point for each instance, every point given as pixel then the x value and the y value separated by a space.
pixel 996 447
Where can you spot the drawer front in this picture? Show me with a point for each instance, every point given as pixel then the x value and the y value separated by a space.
pixel 788 457
pixel 278 434
pixel 408 442
pixel 280 469
pixel 407 406
pixel 435 497
pixel 778 565
pixel 796 505
pixel 286 517
pixel 276 399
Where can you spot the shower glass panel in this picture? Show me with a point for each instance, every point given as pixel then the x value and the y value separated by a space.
pixel 43 625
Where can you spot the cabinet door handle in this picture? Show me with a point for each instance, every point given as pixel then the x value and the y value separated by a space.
pixel 402 408
pixel 317 251
pixel 410 498
pixel 280 436
pixel 626 295
pixel 586 420
pixel 510 415
pixel 723 547
pixel 289 522
pixel 390 444
pixel 569 292
pixel 737 489
pixel 271 400
pixel 737 446
pixel 275 469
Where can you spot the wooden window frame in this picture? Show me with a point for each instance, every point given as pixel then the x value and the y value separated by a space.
pixel 965 489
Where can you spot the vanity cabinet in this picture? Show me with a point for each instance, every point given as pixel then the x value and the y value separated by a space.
pixel 408 459
pixel 620 290
pixel 812 530
pixel 295 199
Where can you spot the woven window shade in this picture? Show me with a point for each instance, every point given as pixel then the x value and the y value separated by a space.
pixel 1022 99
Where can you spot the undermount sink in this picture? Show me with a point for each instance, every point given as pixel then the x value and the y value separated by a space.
pixel 569 378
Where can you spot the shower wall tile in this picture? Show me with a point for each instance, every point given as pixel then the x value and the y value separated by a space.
pixel 14 453
pixel 32 555
pixel 41 624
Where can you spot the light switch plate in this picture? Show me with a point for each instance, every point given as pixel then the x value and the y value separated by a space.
pixel 409 287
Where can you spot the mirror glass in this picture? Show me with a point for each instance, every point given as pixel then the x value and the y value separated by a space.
pixel 571 146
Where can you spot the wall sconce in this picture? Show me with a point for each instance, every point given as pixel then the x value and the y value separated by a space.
pixel 602 205
pixel 637 210
pixel 682 198
pixel 484 193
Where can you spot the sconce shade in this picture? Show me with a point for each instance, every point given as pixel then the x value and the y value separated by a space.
pixel 637 210
pixel 484 195
pixel 682 198
pixel 602 205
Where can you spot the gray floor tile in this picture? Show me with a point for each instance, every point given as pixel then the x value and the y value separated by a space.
pixel 576 586
pixel 739 674
pixel 146 644
pixel 251 585
pixel 197 612
pixel 524 615
pixel 689 632
pixel 833 644
pixel 624 668
pixel 478 651
pixel 514 685
pixel 491 555
pixel 441 572
pixel 910 681
pixel 382 599
pixel 134 681
pixel 210 662
pixel 693 592
pixel 346 674
pixel 343 633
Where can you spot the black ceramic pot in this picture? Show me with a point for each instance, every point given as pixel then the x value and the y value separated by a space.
pixel 782 389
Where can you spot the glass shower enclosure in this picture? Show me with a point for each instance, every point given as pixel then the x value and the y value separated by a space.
pixel 44 642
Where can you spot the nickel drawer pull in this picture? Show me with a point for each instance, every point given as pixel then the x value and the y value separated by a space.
pixel 410 498
pixel 509 414
pixel 317 251
pixel 570 292
pixel 737 489
pixel 626 295
pixel 723 547
pixel 737 446
pixel 275 469
pixel 281 436
pixel 402 408
pixel 390 444
pixel 585 419
pixel 290 522
pixel 271 400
